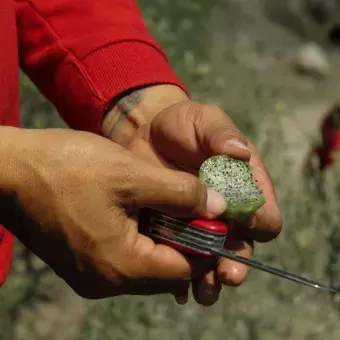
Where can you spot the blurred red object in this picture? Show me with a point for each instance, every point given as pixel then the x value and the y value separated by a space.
pixel 6 253
pixel 330 138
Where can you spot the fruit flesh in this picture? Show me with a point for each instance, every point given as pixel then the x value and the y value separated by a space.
pixel 233 179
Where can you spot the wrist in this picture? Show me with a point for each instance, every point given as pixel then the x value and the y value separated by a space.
pixel 23 153
pixel 136 108
pixel 9 155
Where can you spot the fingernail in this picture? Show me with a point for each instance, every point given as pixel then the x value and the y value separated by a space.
pixel 210 291
pixel 208 295
pixel 181 300
pixel 216 204
pixel 238 144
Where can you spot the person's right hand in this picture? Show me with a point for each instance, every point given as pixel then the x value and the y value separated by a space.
pixel 71 198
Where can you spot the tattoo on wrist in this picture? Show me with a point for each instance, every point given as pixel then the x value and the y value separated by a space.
pixel 120 110
pixel 137 107
pixel 131 100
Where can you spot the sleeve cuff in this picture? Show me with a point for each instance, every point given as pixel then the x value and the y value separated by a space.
pixel 116 68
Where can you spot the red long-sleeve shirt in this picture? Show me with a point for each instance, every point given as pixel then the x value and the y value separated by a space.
pixel 80 54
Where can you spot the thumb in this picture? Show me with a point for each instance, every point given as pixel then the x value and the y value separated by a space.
pixel 188 133
pixel 177 194
pixel 173 193
pixel 217 133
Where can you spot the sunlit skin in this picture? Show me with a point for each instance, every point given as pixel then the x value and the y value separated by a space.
pixel 182 136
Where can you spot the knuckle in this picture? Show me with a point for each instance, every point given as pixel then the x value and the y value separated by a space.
pixel 194 110
pixel 230 129
pixel 224 132
pixel 212 108
pixel 217 125
pixel 192 193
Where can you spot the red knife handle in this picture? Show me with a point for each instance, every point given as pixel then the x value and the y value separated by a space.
pixel 190 236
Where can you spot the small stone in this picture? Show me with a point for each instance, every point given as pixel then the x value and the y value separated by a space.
pixel 312 60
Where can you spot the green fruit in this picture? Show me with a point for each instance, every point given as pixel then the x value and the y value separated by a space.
pixel 233 179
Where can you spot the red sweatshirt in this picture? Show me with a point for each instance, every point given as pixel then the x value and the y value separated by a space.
pixel 80 54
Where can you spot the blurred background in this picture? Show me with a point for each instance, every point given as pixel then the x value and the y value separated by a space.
pixel 274 67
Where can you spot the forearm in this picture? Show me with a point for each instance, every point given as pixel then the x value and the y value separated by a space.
pixel 80 56
pixel 22 154
pixel 10 169
pixel 9 155
pixel 137 107
pixel 11 178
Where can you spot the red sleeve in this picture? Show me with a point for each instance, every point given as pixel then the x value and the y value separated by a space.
pixel 6 253
pixel 83 53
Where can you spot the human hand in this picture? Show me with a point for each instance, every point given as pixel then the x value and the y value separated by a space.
pixel 72 197
pixel 182 136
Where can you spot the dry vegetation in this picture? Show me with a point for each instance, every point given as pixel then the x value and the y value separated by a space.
pixel 229 53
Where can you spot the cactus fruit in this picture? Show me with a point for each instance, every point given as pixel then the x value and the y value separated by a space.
pixel 233 179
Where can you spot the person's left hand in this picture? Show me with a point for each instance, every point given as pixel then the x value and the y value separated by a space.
pixel 182 136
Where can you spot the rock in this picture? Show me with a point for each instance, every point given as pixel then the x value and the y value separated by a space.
pixel 311 60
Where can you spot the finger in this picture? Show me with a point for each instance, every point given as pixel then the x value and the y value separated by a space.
pixel 232 273
pixel 206 290
pixel 266 223
pixel 100 282
pixel 136 255
pixel 96 287
pixel 155 286
pixel 175 193
pixel 171 192
pixel 182 295
pixel 144 259
pixel 190 132
pixel 217 133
